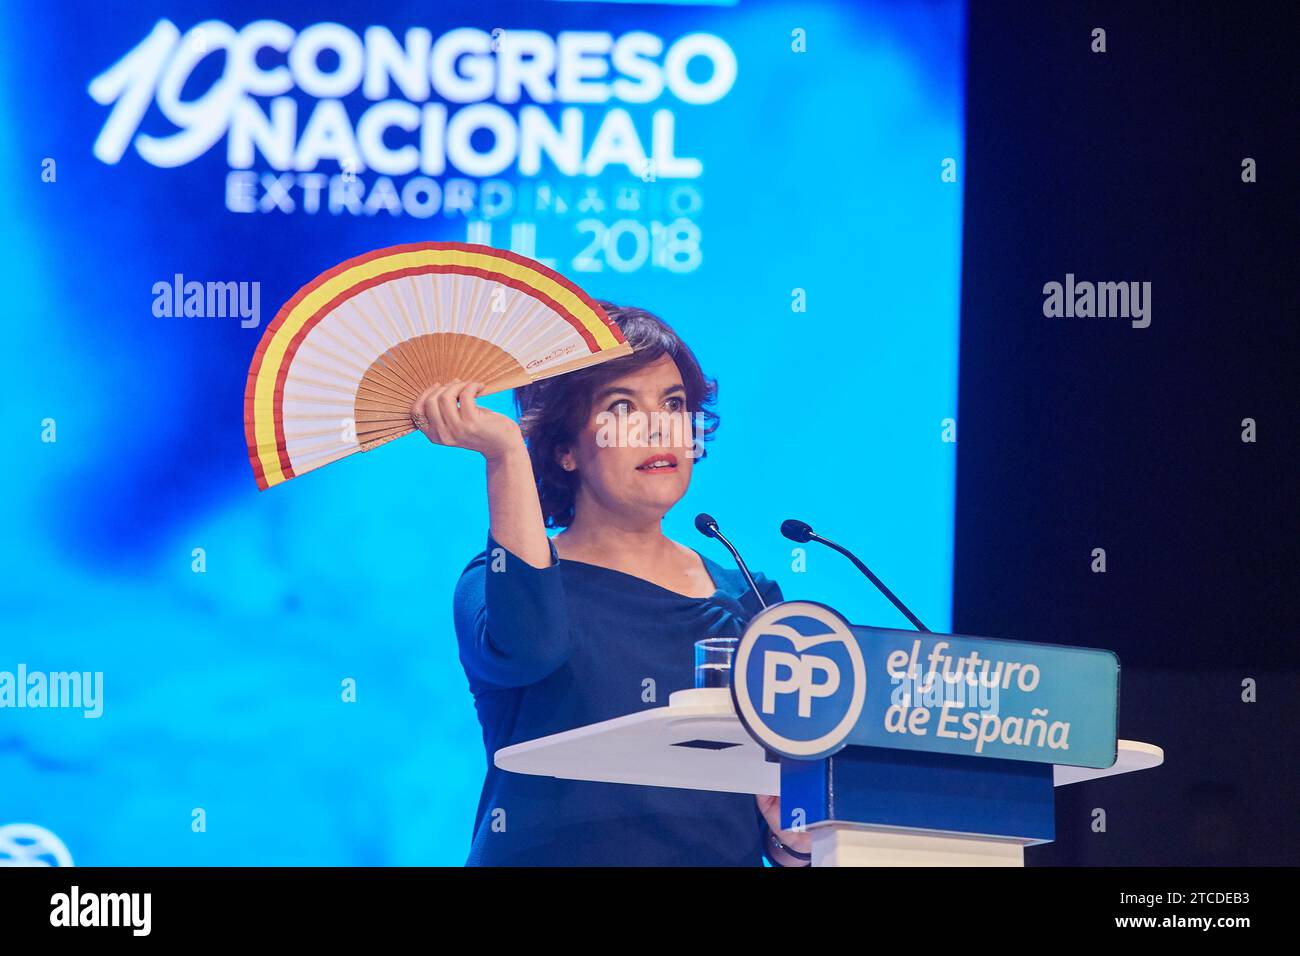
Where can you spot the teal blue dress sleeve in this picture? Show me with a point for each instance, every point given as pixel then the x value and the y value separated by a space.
pixel 511 619
pixel 569 645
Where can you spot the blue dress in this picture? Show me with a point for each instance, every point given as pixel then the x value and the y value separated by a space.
pixel 550 649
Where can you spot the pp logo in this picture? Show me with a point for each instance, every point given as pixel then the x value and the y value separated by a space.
pixel 798 679
pixel 26 844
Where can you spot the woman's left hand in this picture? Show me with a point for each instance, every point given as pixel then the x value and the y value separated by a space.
pixel 770 807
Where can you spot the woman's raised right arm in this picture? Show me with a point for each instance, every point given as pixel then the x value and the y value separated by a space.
pixel 449 415
pixel 514 511
pixel 511 616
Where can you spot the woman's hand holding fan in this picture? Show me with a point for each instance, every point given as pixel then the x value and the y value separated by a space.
pixel 450 415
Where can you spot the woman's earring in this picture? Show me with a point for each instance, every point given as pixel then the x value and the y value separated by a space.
pixel 568 466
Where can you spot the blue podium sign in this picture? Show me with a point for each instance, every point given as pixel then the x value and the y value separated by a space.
pixel 806 683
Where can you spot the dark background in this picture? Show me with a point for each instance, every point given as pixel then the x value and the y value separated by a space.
pixel 1079 433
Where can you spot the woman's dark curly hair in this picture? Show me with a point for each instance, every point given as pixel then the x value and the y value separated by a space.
pixel 553 410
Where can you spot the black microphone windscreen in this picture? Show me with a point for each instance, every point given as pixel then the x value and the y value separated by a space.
pixel 796 530
pixel 705 524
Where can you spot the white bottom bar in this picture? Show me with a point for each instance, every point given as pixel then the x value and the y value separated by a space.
pixel 845 845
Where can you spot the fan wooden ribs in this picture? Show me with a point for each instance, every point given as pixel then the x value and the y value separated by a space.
pixel 395 380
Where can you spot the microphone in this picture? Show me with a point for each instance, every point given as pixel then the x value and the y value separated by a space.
pixel 708 527
pixel 801 531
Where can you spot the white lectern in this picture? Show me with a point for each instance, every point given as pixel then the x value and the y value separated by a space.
pixel 697 742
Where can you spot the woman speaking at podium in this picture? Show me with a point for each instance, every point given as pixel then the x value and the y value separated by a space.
pixel 600 620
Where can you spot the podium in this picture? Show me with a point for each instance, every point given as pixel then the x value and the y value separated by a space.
pixel 890 748
pixel 862 806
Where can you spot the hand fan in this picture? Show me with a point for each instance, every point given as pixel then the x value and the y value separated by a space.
pixel 339 367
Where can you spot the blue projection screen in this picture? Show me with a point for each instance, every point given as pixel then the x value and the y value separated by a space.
pixel 780 181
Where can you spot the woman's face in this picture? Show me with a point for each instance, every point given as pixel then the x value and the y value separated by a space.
pixel 636 420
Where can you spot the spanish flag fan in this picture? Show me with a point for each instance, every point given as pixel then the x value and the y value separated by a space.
pixel 338 369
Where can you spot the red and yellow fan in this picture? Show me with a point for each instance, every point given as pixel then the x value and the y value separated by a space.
pixel 338 369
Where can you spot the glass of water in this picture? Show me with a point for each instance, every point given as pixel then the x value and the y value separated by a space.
pixel 713 657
